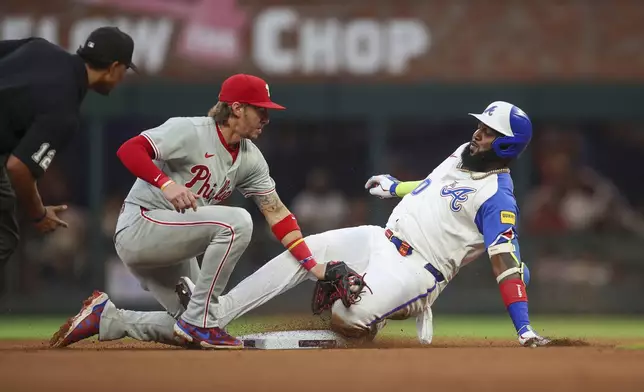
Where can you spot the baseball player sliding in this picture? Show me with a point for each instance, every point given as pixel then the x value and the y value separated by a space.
pixel 184 167
pixel 463 208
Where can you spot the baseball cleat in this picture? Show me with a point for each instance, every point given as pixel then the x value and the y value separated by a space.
pixel 184 290
pixel 82 326
pixel 210 338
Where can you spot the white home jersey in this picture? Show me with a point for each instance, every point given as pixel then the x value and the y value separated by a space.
pixel 450 218
pixel 192 152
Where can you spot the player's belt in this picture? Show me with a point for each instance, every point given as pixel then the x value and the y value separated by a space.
pixel 405 249
pixel 403 246
pixel 437 274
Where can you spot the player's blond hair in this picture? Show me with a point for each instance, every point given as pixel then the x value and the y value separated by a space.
pixel 221 112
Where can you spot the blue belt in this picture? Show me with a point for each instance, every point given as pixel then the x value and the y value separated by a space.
pixel 405 249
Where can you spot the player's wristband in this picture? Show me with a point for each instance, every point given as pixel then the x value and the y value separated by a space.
pixel 513 290
pixel 298 247
pixel 285 226
pixel 515 299
pixel 166 183
pixel 402 188
pixel 392 189
pixel 302 253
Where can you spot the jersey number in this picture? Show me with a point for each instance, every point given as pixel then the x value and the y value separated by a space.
pixel 44 156
pixel 421 187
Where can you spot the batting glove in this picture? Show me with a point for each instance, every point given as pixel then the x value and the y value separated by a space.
pixel 383 186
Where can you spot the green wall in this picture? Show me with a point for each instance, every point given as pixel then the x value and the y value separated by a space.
pixel 541 101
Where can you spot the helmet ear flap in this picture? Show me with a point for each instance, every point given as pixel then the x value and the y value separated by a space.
pixel 508 147
pixel 502 148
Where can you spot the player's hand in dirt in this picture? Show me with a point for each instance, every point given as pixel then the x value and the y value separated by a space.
pixel 180 197
pixel 529 338
pixel 383 186
pixel 50 220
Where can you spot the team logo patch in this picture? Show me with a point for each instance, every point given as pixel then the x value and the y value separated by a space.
pixel 508 217
pixel 459 195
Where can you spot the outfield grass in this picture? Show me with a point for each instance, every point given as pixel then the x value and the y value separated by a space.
pixel 615 328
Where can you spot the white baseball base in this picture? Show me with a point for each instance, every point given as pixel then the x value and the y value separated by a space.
pixel 293 340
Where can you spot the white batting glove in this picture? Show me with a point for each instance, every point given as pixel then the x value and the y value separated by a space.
pixel 383 186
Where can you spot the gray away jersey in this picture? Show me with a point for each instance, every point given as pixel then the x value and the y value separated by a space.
pixel 189 151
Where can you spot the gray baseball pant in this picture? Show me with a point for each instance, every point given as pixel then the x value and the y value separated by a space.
pixel 160 246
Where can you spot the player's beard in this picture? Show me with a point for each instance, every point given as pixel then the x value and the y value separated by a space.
pixel 479 162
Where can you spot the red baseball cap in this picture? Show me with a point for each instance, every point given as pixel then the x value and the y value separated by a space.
pixel 248 89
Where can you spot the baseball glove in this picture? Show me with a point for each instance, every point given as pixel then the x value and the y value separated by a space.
pixel 340 283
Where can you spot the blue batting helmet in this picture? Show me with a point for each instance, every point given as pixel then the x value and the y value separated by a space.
pixel 511 122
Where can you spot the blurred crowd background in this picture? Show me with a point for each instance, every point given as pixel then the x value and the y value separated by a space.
pixel 371 87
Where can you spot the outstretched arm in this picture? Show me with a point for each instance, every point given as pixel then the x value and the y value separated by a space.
pixel 513 276
pixel 509 273
pixel 496 220
pixel 285 228
pixel 405 187
pixel 271 207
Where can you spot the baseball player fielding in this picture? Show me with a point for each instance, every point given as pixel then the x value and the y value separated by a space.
pixel 464 207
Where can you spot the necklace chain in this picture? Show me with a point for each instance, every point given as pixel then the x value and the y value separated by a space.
pixel 476 176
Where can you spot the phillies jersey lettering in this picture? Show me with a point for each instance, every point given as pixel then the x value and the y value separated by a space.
pixel 191 151
pixel 206 190
pixel 451 218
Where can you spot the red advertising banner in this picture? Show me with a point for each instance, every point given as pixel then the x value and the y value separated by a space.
pixel 369 40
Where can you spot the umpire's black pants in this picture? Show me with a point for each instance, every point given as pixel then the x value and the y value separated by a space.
pixel 9 236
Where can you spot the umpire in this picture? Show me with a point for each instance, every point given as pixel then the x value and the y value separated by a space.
pixel 42 87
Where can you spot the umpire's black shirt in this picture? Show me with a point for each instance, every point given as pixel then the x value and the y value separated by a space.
pixel 41 89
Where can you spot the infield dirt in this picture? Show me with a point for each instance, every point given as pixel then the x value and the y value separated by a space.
pixel 388 365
